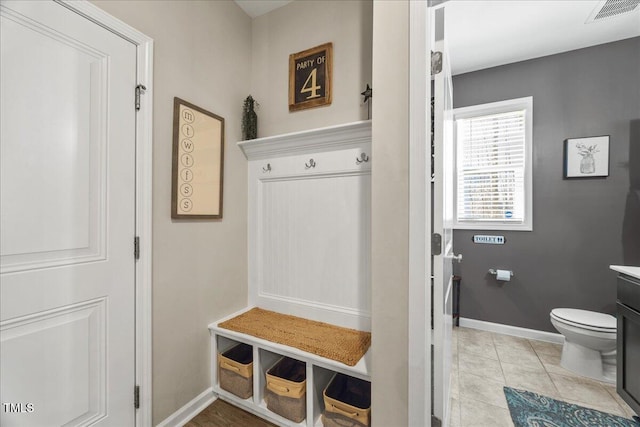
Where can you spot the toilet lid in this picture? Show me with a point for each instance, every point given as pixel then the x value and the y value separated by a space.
pixel 585 318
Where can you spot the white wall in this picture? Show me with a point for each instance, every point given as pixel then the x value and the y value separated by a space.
pixel 298 26
pixel 390 213
pixel 202 55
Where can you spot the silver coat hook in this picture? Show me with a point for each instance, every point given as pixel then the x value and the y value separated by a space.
pixel 267 169
pixel 363 159
pixel 311 164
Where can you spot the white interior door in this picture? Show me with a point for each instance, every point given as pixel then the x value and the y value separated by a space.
pixel 442 225
pixel 67 219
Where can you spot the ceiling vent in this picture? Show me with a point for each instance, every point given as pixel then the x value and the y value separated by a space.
pixel 612 8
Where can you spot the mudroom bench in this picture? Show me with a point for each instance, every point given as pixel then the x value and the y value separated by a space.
pixel 309 256
pixel 319 372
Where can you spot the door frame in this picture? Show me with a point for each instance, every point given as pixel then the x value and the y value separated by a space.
pixel 419 322
pixel 143 202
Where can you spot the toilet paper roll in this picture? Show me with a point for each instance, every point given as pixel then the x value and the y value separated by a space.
pixel 503 275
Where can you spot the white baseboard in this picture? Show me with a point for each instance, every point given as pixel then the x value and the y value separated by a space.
pixel 515 331
pixel 190 410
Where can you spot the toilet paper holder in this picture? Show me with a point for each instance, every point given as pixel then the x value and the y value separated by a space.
pixel 495 272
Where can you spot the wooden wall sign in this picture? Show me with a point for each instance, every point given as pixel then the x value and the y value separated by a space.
pixel 198 157
pixel 310 77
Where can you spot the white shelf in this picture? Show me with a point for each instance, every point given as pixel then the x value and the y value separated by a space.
pixel 320 370
pixel 330 138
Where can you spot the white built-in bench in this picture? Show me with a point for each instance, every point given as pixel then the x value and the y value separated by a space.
pixel 309 251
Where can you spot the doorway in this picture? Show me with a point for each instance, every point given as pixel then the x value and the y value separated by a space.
pixel 75 317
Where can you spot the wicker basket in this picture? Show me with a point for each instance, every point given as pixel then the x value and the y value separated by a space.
pixel 347 402
pixel 235 370
pixel 331 419
pixel 285 392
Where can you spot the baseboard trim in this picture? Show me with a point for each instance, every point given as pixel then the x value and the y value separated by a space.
pixel 515 331
pixel 190 410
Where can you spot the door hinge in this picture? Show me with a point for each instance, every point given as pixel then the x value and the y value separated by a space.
pixel 139 91
pixel 436 63
pixel 136 247
pixel 436 244
pixel 136 397
pixel 435 421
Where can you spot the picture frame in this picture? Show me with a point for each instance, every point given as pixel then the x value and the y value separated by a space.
pixel 310 77
pixel 198 162
pixel 586 157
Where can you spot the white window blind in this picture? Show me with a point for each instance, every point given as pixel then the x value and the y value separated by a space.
pixel 492 150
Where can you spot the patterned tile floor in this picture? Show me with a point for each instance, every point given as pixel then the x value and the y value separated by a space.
pixel 484 362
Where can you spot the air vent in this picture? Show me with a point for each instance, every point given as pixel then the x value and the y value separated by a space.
pixel 612 8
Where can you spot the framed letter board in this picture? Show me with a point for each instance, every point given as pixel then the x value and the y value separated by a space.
pixel 310 77
pixel 198 158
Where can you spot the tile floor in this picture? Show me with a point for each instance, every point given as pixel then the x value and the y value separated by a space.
pixel 484 362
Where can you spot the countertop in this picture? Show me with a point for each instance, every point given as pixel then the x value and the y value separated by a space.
pixel 626 269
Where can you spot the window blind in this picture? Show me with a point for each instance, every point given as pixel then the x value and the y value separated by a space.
pixel 491 167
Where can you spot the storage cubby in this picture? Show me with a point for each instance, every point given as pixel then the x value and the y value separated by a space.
pixel 347 401
pixel 225 344
pixel 286 389
pixel 319 372
pixel 267 360
pixel 321 377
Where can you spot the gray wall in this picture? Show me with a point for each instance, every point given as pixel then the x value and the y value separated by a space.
pixel 577 224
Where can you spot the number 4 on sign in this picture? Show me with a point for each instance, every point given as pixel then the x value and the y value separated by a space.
pixel 314 87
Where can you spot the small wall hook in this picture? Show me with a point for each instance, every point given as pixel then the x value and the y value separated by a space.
pixel 311 164
pixel 267 169
pixel 363 159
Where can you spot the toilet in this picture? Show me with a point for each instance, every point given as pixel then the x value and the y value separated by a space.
pixel 589 342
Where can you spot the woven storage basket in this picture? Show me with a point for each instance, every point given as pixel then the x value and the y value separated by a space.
pixel 331 419
pixel 347 402
pixel 285 392
pixel 235 370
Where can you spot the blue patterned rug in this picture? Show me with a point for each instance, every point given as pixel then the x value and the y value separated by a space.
pixel 534 410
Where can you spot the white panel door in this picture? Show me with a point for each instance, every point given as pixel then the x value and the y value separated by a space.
pixel 442 225
pixel 67 219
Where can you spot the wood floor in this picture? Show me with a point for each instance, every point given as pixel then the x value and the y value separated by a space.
pixel 223 414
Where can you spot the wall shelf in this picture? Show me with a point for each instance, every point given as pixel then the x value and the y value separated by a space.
pixel 332 138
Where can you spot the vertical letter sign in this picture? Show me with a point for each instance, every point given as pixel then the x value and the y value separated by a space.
pixel 310 77
pixel 198 157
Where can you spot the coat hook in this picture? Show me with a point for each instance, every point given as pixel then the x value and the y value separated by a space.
pixel 311 164
pixel 363 159
pixel 267 169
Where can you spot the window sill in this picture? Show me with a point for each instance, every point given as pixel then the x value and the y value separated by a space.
pixel 493 227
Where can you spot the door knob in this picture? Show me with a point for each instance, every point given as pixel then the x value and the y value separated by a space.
pixel 455 257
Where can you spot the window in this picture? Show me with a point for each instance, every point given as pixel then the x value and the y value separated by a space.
pixel 493 166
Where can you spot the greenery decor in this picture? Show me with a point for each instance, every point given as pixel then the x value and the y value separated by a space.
pixel 249 119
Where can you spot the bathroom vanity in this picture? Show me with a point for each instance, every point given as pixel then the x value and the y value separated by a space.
pixel 628 335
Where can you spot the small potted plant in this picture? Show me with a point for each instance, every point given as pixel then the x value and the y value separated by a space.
pixel 249 119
